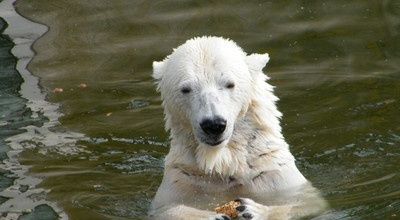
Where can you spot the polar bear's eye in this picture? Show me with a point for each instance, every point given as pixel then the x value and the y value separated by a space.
pixel 186 90
pixel 230 85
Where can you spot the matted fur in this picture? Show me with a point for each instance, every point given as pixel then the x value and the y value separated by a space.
pixel 254 160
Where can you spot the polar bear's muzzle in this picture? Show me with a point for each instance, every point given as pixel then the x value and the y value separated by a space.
pixel 213 129
pixel 214 126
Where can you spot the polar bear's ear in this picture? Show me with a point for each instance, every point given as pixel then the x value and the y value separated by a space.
pixel 257 62
pixel 157 69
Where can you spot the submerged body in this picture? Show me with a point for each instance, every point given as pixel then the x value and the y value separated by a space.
pixel 226 140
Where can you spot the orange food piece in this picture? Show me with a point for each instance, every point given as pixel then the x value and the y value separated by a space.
pixel 229 209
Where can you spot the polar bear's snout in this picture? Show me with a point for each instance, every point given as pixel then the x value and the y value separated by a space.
pixel 214 127
pixel 212 118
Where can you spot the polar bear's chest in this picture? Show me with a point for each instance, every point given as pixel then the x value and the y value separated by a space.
pixel 250 180
pixel 217 183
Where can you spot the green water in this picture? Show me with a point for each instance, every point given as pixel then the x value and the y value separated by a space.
pixel 335 65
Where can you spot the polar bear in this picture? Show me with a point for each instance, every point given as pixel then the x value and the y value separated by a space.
pixel 226 140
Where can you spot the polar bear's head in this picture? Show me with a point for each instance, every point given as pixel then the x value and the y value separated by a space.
pixel 206 84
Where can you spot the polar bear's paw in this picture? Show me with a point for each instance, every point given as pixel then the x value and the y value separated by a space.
pixel 251 210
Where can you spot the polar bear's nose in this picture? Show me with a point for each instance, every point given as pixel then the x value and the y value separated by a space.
pixel 213 126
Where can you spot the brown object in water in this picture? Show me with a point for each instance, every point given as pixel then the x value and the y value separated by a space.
pixel 229 209
pixel 58 90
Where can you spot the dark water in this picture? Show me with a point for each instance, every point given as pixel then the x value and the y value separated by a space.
pixel 336 66
pixel 10 103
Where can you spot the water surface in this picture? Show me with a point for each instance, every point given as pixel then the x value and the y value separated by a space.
pixel 335 65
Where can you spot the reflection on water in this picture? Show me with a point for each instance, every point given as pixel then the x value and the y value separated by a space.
pixel 336 66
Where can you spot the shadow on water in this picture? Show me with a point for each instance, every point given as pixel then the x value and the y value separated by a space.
pixel 336 66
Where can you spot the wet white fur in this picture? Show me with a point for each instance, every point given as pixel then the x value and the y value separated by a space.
pixel 253 159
